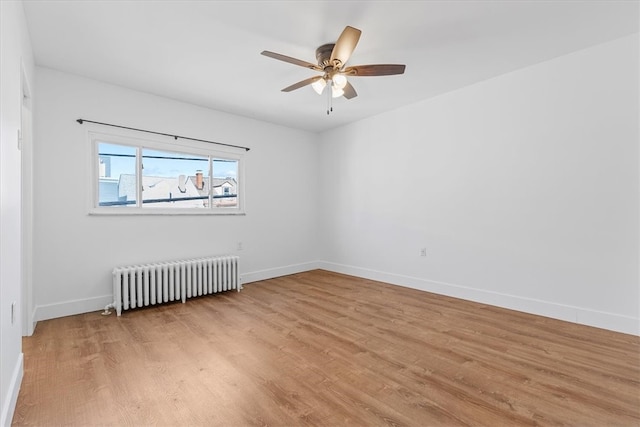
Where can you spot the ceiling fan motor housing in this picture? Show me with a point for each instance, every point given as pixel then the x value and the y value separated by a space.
pixel 323 55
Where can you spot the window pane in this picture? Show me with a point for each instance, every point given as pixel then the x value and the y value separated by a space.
pixel 225 183
pixel 165 176
pixel 117 175
pixel 174 180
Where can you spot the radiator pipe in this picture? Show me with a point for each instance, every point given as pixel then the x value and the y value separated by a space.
pixel 106 311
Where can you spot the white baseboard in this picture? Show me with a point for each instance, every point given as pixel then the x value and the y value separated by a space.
pixel 34 322
pixel 69 308
pixel 270 273
pixel 31 327
pixel 9 405
pixel 598 319
pixel 79 306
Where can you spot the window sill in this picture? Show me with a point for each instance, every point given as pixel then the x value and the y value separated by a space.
pixel 147 212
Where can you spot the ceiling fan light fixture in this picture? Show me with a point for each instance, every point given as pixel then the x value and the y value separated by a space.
pixel 319 85
pixel 339 81
pixel 336 92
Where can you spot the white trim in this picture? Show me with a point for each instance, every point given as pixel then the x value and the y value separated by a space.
pixel 26 199
pixel 160 211
pixel 579 315
pixel 34 321
pixel 70 308
pixel 9 405
pixel 583 316
pixel 270 273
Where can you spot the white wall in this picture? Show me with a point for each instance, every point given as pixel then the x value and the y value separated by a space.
pixel 523 189
pixel 16 60
pixel 74 253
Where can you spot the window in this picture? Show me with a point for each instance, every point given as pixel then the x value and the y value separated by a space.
pixel 139 176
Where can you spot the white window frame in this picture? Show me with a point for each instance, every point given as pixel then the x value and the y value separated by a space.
pixel 178 146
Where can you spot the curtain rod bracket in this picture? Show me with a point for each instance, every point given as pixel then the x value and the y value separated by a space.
pixel 175 137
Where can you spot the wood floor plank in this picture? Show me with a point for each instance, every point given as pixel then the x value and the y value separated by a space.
pixel 325 349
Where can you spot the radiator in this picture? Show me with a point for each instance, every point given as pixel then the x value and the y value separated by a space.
pixel 149 284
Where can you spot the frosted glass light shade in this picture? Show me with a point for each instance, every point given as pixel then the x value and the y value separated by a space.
pixel 318 86
pixel 336 92
pixel 339 81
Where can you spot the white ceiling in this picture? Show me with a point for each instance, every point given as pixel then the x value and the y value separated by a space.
pixel 208 52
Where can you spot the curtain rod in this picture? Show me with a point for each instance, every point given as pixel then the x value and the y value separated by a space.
pixel 81 121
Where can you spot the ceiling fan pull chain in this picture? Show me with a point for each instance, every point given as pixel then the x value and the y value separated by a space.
pixel 329 104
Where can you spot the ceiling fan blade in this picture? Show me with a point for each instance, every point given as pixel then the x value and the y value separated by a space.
pixel 303 83
pixel 374 70
pixel 349 91
pixel 345 45
pixel 291 60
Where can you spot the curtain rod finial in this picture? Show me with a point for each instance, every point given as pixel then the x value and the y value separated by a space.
pixel 80 121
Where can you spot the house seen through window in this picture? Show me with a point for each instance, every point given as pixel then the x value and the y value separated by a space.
pixel 140 178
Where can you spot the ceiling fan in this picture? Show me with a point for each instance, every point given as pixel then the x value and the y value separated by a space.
pixel 331 63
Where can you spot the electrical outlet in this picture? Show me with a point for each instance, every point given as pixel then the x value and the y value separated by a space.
pixel 240 247
pixel 423 252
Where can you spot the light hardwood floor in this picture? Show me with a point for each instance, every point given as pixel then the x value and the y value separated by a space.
pixel 321 348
